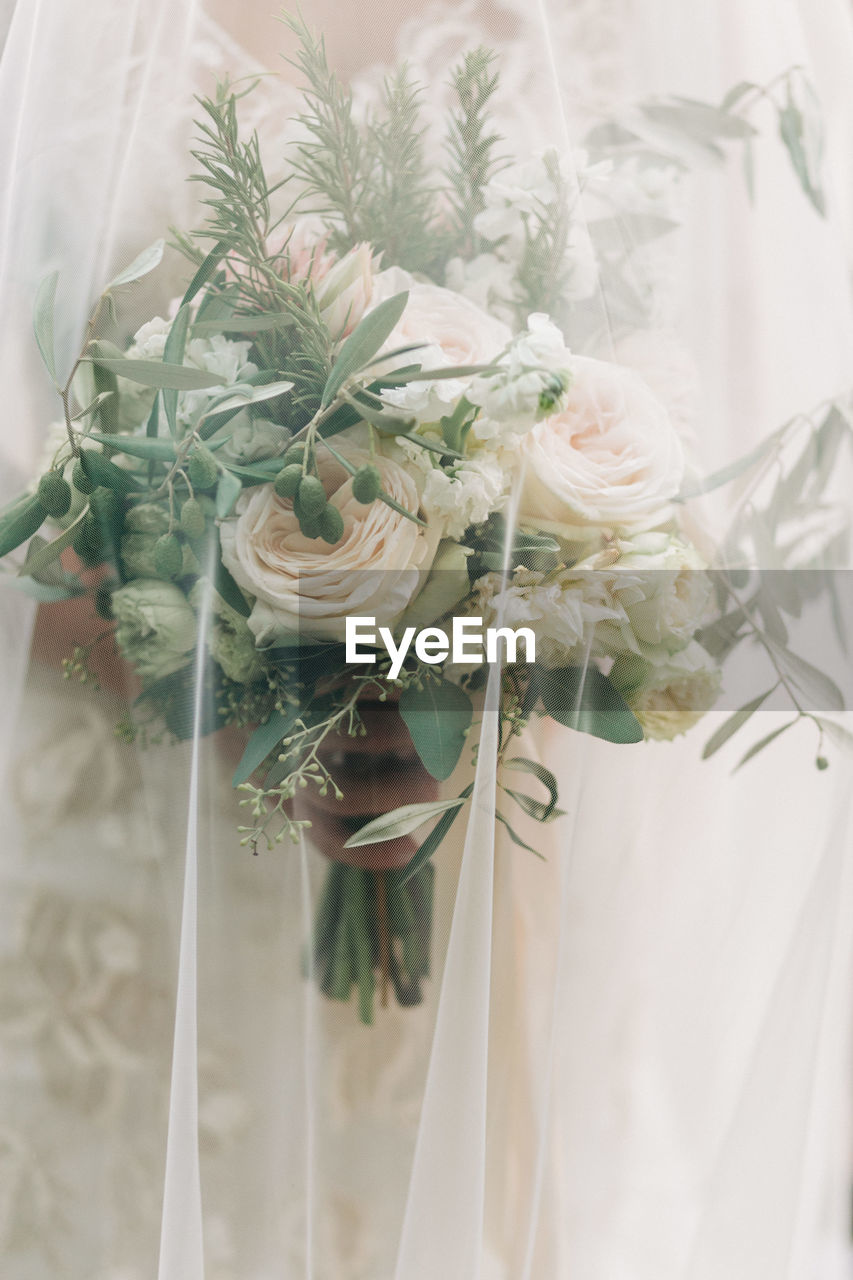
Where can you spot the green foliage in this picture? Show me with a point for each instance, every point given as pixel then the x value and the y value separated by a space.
pixel 471 146
pixel 583 699
pixel 438 716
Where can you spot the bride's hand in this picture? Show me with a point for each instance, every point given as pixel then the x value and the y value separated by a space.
pixel 376 772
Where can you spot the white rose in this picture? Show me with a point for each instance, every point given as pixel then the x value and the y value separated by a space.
pixel 668 699
pixel 450 330
pixel 611 458
pixel 304 585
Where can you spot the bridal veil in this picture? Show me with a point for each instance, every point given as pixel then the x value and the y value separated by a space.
pixel 632 1061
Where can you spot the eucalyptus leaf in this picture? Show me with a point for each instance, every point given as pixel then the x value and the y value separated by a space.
pixel 438 717
pixel 583 699
pixel 363 343
pixel 265 739
pixel 43 321
pixel 145 262
pixel 400 822
pixel 736 721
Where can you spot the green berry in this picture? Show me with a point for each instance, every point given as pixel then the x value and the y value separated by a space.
pixel 287 481
pixel 54 494
pixel 202 471
pixel 104 505
pixel 309 526
pixel 295 454
pixel 331 525
pixel 822 763
pixel 312 496
pixel 168 557
pixel 79 479
pixel 192 518
pixel 366 484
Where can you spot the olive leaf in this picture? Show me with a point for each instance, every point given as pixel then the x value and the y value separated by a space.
pixel 363 343
pixel 400 822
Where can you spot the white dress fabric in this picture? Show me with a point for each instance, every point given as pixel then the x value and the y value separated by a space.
pixel 632 1062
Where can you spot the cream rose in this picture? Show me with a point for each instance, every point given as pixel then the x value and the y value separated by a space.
pixel 449 329
pixel 610 458
pixel 305 586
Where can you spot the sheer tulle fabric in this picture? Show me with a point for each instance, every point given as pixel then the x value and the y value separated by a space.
pixel 632 1057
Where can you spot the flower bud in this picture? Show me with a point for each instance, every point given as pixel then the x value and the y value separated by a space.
pixel 345 292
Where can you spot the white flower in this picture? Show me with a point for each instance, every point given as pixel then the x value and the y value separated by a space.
pixel 677 590
pixel 489 281
pixel 611 458
pixel 217 355
pixel 476 488
pixel 149 342
pixel 532 383
pixel 451 331
pixel 155 627
pixel 304 585
pixel 564 608
pixel 668 699
pixel 520 196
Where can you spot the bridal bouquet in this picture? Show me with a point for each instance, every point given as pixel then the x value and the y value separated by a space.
pixel 362 457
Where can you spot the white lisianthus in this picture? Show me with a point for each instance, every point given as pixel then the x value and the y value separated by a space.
pixel 345 291
pixel 669 698
pixel 533 382
pixel 306 586
pixel 611 458
pixel 155 627
pixel 450 330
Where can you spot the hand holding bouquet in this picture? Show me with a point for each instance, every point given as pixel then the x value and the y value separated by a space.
pixel 361 434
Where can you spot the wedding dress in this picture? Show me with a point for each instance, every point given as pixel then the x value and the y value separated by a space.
pixel 632 1059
